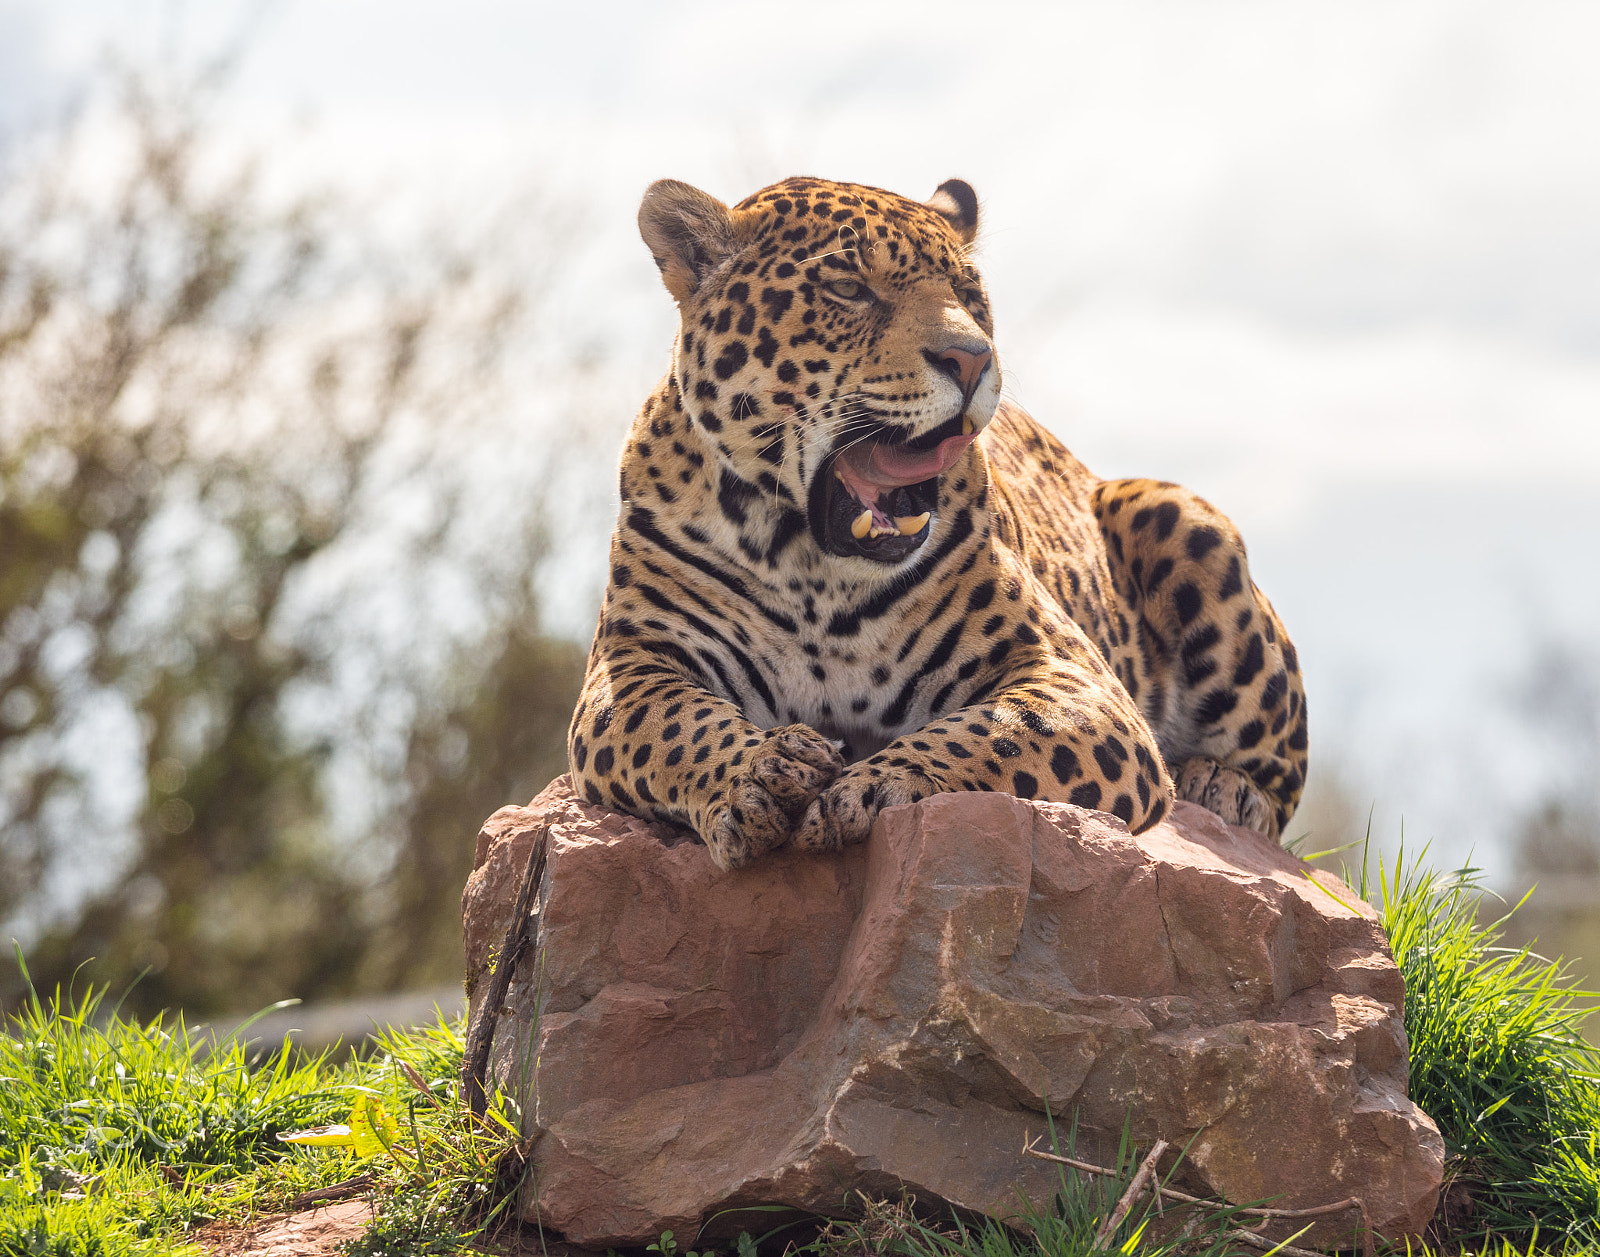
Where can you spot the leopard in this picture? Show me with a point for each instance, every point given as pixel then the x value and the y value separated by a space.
pixel 848 574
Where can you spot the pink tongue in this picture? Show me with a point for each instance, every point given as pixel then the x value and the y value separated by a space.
pixel 891 466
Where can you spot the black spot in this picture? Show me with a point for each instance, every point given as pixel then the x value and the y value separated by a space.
pixel 1086 795
pixel 673 756
pixel 1233 582
pixel 1024 785
pixel 1252 663
pixel 636 719
pixel 1196 668
pixel 734 355
pixel 604 758
pixel 1064 764
pixel 981 596
pixel 1273 691
pixel 641 757
pixel 732 494
pixel 1215 705
pixel 1122 809
pixel 1005 748
pixel 1202 541
pixel 777 301
pixel 1188 602
pixel 1110 764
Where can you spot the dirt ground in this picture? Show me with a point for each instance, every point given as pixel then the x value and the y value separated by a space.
pixel 318 1232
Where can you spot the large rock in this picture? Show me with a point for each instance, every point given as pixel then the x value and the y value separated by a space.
pixel 904 1012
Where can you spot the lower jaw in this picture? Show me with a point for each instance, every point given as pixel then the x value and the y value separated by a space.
pixel 833 509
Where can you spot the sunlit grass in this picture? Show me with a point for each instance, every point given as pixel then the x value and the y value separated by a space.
pixel 1498 1058
pixel 118 1136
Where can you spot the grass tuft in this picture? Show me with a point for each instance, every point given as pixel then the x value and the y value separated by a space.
pixel 1497 1060
pixel 125 1137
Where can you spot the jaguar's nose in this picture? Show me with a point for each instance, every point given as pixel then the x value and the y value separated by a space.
pixel 964 365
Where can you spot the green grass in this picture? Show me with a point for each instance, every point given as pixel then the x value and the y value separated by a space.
pixel 1498 1060
pixel 124 1137
pixel 121 1137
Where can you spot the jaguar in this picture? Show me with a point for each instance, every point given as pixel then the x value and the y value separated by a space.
pixel 848 574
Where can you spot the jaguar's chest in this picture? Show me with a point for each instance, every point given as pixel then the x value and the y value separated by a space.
pixel 847 689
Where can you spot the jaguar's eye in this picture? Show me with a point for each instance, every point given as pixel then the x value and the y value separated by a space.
pixel 849 289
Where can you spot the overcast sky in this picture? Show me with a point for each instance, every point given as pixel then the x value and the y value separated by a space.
pixel 1337 267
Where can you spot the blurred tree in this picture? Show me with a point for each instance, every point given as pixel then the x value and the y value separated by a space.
pixel 1555 837
pixel 258 608
pixel 1558 836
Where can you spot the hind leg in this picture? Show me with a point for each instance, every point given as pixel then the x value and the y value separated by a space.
pixel 1208 660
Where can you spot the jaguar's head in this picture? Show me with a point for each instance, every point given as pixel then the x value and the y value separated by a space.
pixel 835 350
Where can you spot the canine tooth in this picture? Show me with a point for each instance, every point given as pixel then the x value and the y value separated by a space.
pixel 861 525
pixel 966 426
pixel 910 525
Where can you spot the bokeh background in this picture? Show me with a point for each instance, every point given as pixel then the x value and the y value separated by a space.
pixel 320 325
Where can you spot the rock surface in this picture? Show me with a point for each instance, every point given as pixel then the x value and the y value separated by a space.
pixel 902 1013
pixel 319 1232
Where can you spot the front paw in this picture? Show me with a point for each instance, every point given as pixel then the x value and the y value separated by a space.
pixel 783 777
pixel 1228 793
pixel 843 813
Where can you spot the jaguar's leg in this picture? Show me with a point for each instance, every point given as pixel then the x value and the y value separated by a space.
pixel 651 742
pixel 1209 662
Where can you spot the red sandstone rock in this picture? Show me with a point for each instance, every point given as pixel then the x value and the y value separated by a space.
pixel 901 1013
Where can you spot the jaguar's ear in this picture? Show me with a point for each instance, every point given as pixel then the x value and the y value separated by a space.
pixel 957 203
pixel 688 232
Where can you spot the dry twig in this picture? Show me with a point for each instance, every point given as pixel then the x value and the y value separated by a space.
pixel 1268 1246
pixel 1147 1168
pixel 1172 1193
pixel 480 1034
pixel 337 1191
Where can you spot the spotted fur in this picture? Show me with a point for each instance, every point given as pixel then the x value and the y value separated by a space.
pixel 767 674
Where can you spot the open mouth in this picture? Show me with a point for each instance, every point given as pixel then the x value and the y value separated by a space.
pixel 877 497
